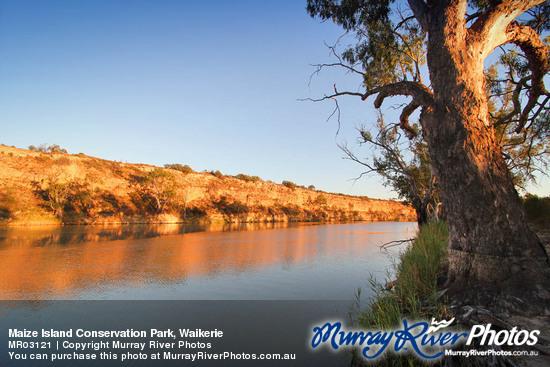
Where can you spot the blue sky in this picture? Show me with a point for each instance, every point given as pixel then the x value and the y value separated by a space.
pixel 215 85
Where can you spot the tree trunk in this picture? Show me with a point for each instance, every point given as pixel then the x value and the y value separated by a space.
pixel 493 254
pixel 421 212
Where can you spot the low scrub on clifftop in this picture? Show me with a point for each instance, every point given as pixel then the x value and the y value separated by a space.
pixel 50 186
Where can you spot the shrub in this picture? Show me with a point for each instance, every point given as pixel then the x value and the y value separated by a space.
pixel 54 148
pixel 8 205
pixel 289 184
pixel 321 200
pixel 218 174
pixel 55 193
pixel 158 189
pixel 81 198
pixel 230 208
pixel 537 209
pixel 195 212
pixel 291 210
pixel 179 167
pixel 311 187
pixel 247 178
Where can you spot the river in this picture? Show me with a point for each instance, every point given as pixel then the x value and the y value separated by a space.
pixel 176 262
pixel 265 286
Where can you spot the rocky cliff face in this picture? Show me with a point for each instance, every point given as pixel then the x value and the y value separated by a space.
pixel 40 188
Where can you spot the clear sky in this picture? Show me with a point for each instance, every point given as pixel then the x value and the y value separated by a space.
pixel 212 84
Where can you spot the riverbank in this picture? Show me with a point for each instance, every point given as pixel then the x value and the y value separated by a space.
pixel 59 188
pixel 416 291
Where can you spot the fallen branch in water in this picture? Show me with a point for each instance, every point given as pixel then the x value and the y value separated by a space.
pixel 387 245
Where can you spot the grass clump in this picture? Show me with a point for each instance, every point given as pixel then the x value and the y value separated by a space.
pixel 413 295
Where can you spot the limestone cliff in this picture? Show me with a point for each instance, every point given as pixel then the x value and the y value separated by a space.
pixel 40 188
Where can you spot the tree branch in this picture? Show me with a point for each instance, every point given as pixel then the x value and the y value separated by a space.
pixel 496 27
pixel 404 119
pixel 489 30
pixel 417 90
pixel 516 102
pixel 537 54
pixel 421 13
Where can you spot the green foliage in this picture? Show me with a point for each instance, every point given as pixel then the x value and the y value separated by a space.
pixel 230 208
pixel 178 167
pixel 414 292
pixel 217 174
pixel 527 153
pixel 311 187
pixel 289 184
pixel 537 209
pixel 350 14
pixel 387 52
pixel 321 200
pixel 55 192
pixel 291 210
pixel 390 47
pixel 158 188
pixel 404 165
pixel 247 178
pixel 66 198
pixel 195 213
pixel 54 148
pixel 8 205
pixel 81 198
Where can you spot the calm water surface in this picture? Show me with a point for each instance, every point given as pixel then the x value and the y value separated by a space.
pixel 175 262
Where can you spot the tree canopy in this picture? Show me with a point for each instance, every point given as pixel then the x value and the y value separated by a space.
pixel 404 165
pixel 391 49
pixel 479 123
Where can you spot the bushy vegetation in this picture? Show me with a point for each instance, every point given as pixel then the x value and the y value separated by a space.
pixel 216 173
pixel 537 209
pixel 247 178
pixel 414 293
pixel 55 194
pixel 179 167
pixel 66 197
pixel 158 189
pixel 44 148
pixel 321 200
pixel 85 190
pixel 77 201
pixel 289 184
pixel 230 208
pixel 8 205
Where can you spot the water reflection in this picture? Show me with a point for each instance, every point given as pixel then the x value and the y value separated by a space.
pixel 45 235
pixel 191 262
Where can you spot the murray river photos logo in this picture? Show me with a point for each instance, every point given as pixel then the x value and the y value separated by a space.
pixel 426 341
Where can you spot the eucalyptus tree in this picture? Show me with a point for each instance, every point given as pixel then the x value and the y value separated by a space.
pixel 495 260
pixel 404 164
